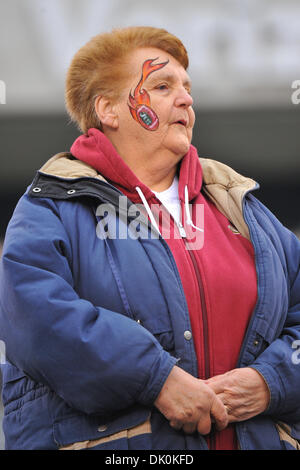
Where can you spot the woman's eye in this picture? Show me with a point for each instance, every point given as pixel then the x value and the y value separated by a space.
pixel 162 87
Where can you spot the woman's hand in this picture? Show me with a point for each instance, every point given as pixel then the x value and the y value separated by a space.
pixel 243 391
pixel 189 404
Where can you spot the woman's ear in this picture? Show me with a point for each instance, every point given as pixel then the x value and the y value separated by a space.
pixel 106 112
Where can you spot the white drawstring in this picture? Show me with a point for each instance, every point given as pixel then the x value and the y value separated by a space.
pixel 147 207
pixel 187 210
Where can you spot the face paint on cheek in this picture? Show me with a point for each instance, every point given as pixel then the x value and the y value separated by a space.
pixel 147 117
pixel 139 103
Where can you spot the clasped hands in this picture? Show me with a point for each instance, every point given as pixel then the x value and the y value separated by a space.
pixel 193 405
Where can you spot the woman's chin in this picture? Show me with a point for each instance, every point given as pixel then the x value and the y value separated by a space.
pixel 181 148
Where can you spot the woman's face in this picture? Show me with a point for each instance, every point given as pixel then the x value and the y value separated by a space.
pixel 155 110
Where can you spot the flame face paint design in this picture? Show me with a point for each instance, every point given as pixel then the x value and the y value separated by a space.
pixel 139 103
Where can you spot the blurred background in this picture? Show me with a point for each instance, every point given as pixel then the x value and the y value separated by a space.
pixel 244 65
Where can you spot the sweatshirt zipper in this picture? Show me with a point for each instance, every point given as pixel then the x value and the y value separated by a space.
pixel 211 437
pixel 204 313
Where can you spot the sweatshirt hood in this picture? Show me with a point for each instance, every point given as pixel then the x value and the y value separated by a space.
pixel 96 150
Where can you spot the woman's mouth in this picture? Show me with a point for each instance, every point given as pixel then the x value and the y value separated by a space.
pixel 181 122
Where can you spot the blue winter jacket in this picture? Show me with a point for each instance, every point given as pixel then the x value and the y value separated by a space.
pixel 87 352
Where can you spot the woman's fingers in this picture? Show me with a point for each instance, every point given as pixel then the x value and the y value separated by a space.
pixel 219 414
pixel 204 425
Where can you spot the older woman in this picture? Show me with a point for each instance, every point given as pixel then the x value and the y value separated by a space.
pixel 148 300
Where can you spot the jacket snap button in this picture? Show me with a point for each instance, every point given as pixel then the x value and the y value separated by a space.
pixel 102 428
pixel 71 191
pixel 36 190
pixel 188 335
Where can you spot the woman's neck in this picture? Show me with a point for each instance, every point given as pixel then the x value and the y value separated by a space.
pixel 155 168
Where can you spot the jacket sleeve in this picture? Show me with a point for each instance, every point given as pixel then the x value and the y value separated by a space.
pixel 97 360
pixel 280 362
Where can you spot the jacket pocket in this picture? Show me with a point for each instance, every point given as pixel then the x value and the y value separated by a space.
pixel 82 431
pixel 289 435
pixel 136 437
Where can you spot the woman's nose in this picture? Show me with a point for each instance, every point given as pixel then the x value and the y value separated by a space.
pixel 184 98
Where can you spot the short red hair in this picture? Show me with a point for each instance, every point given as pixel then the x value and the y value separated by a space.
pixel 99 68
